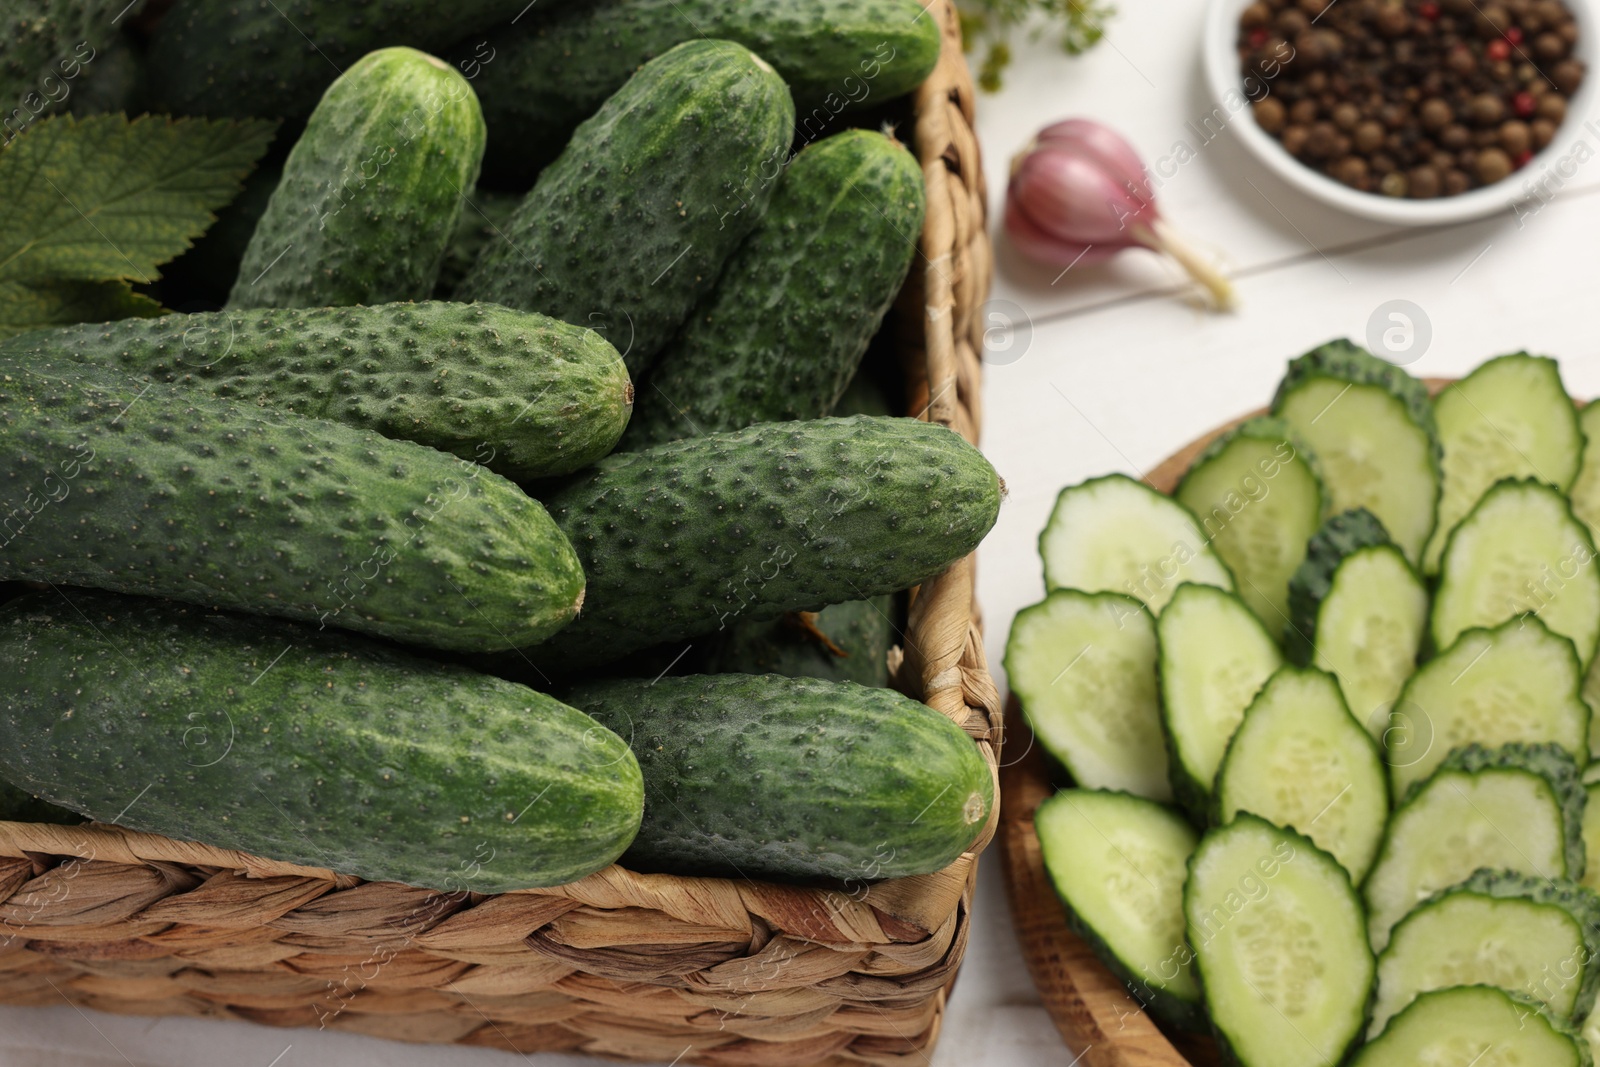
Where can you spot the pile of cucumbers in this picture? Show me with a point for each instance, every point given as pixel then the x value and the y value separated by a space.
pixel 403 562
pixel 1323 721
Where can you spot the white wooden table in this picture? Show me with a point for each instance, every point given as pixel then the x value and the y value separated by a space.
pixel 1106 368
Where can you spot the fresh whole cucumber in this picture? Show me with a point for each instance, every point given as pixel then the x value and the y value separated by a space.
pixel 627 231
pixel 242 58
pixel 306 747
pixel 693 536
pixel 157 490
pixel 372 190
pixel 785 328
pixel 556 66
pixel 753 775
pixel 523 394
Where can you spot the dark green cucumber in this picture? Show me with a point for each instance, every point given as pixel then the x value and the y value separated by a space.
pixel 1371 426
pixel 846 642
pixel 627 231
pixel 19 805
pixel 238 58
pixel 484 218
pixel 305 746
pixel 785 328
pixel 521 393
pixel 555 67
pixel 153 489
pixel 371 192
pixel 752 775
pixel 692 536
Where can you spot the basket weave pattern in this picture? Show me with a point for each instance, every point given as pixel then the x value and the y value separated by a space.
pixel 620 964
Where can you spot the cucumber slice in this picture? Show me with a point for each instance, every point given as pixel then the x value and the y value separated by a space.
pixel 1516 682
pixel 1118 863
pixel 1510 418
pixel 1474 1026
pixel 1277 934
pixel 1215 656
pixel 1585 490
pixel 1579 902
pixel 1591 697
pixel 1359 611
pixel 1520 550
pixel 1371 427
pixel 1083 666
pixel 1465 816
pixel 1300 760
pixel 1114 534
pixel 1461 937
pixel 1259 499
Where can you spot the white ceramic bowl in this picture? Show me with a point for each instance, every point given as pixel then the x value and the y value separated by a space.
pixel 1562 156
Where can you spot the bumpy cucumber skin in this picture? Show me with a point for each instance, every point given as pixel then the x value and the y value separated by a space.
pixel 555 68
pixel 784 330
pixel 162 492
pixel 307 747
pixel 1549 761
pixel 523 394
pixel 692 536
pixel 859 628
pixel 628 230
pixel 1581 903
pixel 19 805
pixel 372 190
pixel 274 58
pixel 750 775
pixel 1349 362
pixel 1338 537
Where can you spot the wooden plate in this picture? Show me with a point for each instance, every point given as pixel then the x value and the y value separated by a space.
pixel 1101 1023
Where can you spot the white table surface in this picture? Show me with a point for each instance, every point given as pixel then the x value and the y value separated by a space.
pixel 1107 368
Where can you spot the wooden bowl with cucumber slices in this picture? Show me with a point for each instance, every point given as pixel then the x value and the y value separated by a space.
pixel 1315 783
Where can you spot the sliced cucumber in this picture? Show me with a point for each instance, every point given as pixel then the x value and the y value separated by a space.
pixel 1461 937
pixel 1510 816
pixel 1520 550
pixel 1215 655
pixel 1118 863
pixel 1578 901
pixel 1509 418
pixel 1300 760
pixel 1359 611
pixel 1083 666
pixel 1371 427
pixel 1515 682
pixel 1258 498
pixel 1474 1026
pixel 1337 537
pixel 1591 697
pixel 1585 491
pixel 1277 932
pixel 1114 534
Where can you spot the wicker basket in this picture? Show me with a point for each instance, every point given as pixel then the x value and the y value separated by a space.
pixel 654 967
